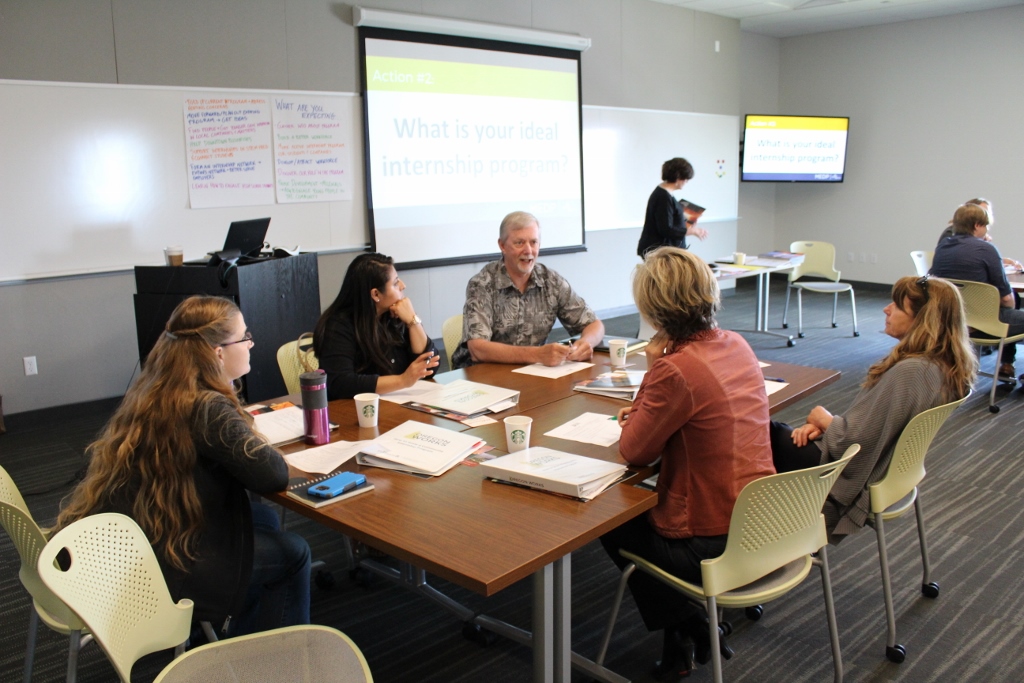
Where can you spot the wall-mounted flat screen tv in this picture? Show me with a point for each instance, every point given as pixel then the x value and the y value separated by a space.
pixel 794 149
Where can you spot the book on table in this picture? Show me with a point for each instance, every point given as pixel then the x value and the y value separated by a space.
pixel 418 448
pixel 790 256
pixel 298 487
pixel 280 423
pixel 616 384
pixel 632 343
pixel 546 469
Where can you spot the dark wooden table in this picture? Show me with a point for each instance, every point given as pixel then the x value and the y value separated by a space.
pixel 486 536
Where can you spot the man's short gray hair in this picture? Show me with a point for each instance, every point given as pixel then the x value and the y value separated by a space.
pixel 514 221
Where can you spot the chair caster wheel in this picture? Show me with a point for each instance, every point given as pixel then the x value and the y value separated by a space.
pixel 800 334
pixel 930 590
pixel 726 628
pixel 834 325
pixel 896 654
pixel 993 409
pixel 754 613
pixel 790 342
pixel 785 326
pixel 475 633
pixel 324 580
pixel 856 334
pixel 363 578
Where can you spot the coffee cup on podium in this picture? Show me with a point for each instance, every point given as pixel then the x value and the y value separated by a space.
pixel 517 433
pixel 617 352
pixel 174 256
pixel 739 258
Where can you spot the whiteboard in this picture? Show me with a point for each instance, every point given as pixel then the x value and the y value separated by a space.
pixel 623 150
pixel 93 178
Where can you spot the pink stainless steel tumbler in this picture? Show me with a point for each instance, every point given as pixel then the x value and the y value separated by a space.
pixel 314 407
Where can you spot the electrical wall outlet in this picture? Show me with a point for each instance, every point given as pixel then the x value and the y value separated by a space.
pixel 30 365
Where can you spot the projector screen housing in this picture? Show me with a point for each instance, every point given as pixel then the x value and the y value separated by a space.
pixel 459 132
pixel 794 149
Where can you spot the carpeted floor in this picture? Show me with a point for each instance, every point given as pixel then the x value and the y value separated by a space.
pixel 976 531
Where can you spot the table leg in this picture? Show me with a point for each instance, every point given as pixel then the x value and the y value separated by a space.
pixel 543 624
pixel 761 310
pixel 563 619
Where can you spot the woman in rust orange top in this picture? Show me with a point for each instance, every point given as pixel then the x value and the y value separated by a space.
pixel 702 409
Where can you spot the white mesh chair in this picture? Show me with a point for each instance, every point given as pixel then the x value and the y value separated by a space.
pixel 776 525
pixel 295 654
pixel 451 333
pixel 895 494
pixel 295 358
pixel 114 584
pixel 819 261
pixel 922 261
pixel 29 541
pixel 981 304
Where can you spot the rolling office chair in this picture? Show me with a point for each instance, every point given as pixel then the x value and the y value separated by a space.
pixel 29 540
pixel 895 494
pixel 922 261
pixel 981 304
pixel 451 333
pixel 776 527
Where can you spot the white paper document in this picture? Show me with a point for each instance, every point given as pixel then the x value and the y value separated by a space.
pixel 553 372
pixel 763 364
pixel 414 393
pixel 281 426
pixel 602 430
pixel 324 459
pixel 469 398
pixel 771 386
pixel 419 448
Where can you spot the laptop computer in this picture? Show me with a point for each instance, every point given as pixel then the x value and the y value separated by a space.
pixel 247 236
pixel 245 239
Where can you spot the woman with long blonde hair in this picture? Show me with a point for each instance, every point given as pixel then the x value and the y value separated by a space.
pixel 932 364
pixel 178 456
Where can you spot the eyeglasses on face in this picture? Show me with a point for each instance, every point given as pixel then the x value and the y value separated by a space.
pixel 246 338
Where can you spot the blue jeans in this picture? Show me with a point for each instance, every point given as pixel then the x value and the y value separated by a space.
pixel 279 586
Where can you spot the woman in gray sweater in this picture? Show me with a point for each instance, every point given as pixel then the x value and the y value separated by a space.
pixel 931 364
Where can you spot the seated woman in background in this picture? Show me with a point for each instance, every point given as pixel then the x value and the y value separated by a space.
pixel 702 408
pixel 370 340
pixel 932 364
pixel 178 456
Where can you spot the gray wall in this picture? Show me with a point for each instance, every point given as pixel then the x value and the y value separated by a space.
pixel 934 109
pixel 644 55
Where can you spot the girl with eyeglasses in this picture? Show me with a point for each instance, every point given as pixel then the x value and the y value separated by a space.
pixel 932 364
pixel 178 456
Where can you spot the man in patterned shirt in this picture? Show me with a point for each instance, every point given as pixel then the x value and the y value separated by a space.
pixel 511 306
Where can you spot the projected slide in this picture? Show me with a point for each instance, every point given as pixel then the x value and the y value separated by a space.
pixel 458 137
pixel 795 148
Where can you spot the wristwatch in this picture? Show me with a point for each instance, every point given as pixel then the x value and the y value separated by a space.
pixel 416 320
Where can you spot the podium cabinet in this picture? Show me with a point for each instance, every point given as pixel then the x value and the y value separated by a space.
pixel 279 297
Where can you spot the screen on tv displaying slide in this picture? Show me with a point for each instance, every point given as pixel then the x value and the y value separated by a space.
pixel 460 134
pixel 794 149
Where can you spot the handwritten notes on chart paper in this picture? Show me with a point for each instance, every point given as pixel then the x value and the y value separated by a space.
pixel 311 153
pixel 228 151
pixel 243 151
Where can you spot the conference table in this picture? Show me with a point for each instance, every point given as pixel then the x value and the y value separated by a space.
pixel 485 536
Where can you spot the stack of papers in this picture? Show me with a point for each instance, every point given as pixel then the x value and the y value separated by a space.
pixel 418 448
pixel 279 425
pixel 554 471
pixel 595 428
pixel 618 384
pixel 461 397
